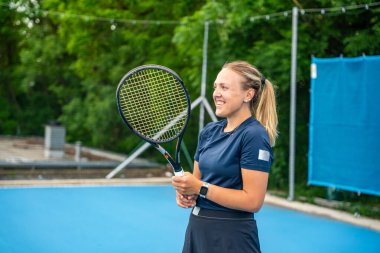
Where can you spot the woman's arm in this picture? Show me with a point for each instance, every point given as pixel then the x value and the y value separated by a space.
pixel 249 199
pixel 196 171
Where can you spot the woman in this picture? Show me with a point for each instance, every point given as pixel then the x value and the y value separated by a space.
pixel 231 166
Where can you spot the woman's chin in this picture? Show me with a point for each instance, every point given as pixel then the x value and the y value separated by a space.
pixel 220 114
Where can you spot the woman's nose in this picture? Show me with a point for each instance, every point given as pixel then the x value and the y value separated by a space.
pixel 216 92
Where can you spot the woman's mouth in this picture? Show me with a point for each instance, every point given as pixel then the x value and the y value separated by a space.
pixel 219 103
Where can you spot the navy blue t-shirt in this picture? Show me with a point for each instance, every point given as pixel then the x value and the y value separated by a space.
pixel 221 155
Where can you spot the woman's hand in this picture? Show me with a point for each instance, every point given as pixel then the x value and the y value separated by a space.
pixel 185 201
pixel 187 184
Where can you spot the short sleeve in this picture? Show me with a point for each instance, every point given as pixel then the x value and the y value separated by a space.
pixel 256 152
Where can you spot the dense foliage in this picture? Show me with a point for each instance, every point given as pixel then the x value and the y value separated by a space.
pixel 62 60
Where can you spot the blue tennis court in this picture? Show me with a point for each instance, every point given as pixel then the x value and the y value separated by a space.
pixel 146 219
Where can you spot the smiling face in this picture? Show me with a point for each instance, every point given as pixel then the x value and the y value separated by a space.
pixel 230 98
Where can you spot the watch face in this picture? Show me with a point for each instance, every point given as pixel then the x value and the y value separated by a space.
pixel 203 190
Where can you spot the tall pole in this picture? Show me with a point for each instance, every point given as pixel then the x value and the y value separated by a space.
pixel 204 75
pixel 293 99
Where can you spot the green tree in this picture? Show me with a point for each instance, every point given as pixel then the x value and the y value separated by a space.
pixel 10 36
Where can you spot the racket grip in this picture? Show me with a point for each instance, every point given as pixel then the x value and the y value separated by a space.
pixel 179 173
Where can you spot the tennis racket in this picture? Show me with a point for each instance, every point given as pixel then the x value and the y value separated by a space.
pixel 154 104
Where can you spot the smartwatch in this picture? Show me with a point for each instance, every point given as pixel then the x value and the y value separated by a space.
pixel 203 191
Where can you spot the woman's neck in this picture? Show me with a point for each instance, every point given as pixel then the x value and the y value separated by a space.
pixel 234 122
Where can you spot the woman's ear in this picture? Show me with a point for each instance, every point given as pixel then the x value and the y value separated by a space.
pixel 249 95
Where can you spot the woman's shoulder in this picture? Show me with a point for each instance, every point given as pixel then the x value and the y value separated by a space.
pixel 255 129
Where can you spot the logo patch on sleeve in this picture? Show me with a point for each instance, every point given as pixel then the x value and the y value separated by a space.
pixel 264 155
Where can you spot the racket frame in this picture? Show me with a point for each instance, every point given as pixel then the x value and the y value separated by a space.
pixel 177 169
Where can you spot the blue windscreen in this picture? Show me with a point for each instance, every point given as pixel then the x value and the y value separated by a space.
pixel 344 138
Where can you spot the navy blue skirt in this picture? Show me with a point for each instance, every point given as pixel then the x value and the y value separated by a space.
pixel 217 233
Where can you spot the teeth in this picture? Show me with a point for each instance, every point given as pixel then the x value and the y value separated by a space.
pixel 219 103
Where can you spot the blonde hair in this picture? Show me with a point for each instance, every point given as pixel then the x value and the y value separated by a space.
pixel 263 104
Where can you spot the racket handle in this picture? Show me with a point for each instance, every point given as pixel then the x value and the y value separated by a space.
pixel 179 173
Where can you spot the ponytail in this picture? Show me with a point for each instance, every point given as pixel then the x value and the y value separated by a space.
pixel 266 112
pixel 263 104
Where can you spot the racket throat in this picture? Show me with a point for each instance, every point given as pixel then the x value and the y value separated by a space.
pixel 177 169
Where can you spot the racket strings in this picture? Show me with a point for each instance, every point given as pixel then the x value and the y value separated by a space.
pixel 154 104
pixel 159 103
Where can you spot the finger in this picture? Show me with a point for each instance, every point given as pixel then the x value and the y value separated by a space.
pixel 187 202
pixel 184 199
pixel 176 179
pixel 181 204
pixel 190 197
pixel 181 191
